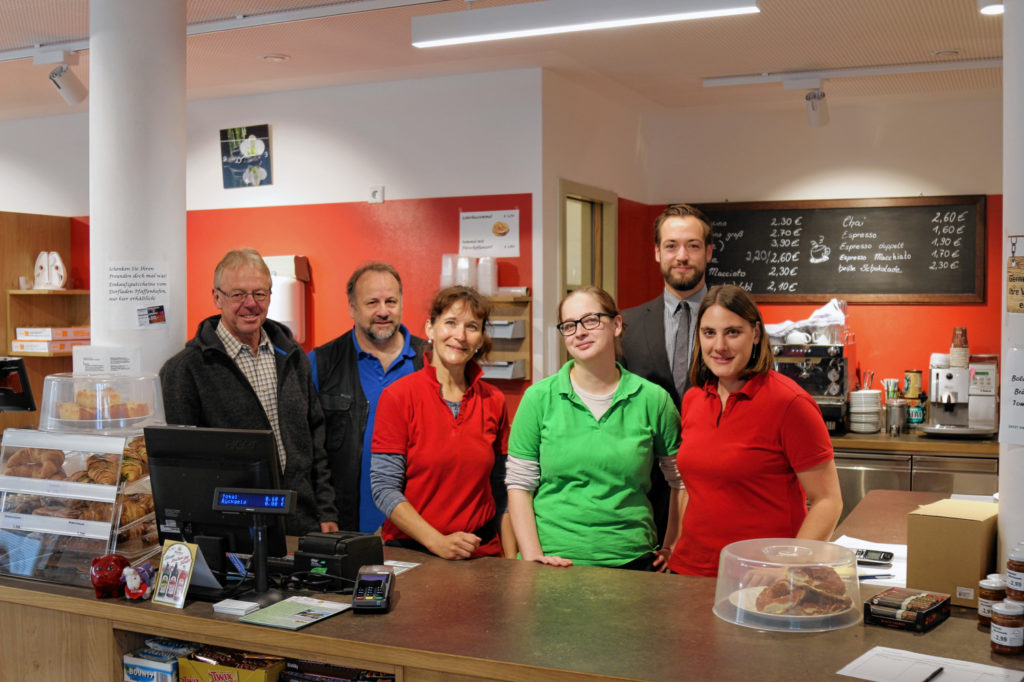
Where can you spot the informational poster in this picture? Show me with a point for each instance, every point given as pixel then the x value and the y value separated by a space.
pixel 1011 419
pixel 489 233
pixel 137 295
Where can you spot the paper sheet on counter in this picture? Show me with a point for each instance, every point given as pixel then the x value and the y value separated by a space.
pixel 899 561
pixel 882 664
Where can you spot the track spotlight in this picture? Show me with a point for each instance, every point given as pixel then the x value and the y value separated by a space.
pixel 71 89
pixel 817 108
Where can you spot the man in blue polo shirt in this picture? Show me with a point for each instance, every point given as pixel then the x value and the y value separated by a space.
pixel 350 373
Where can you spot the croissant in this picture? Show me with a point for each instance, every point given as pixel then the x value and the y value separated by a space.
pixel 35 463
pixel 131 470
pixel 101 471
pixel 136 449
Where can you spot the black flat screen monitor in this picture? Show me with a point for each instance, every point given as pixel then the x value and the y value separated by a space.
pixel 15 389
pixel 186 465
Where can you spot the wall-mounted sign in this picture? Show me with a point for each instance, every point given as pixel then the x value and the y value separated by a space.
pixel 245 156
pixel 489 233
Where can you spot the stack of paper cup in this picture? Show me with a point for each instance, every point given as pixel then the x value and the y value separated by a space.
pixel 865 411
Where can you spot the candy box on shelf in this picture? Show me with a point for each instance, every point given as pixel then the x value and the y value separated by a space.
pixel 209 663
pixel 150 665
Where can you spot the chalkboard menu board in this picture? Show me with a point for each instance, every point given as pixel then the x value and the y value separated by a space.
pixel 904 250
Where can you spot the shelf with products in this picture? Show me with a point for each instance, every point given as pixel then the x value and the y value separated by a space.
pixel 41 308
pixel 510 331
pixel 45 308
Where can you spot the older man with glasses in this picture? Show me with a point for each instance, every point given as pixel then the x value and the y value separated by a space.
pixel 244 371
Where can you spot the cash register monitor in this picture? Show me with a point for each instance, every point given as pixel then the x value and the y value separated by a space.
pixel 15 389
pixel 186 465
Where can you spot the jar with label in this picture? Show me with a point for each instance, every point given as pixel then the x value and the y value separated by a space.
pixel 1007 628
pixel 1015 573
pixel 990 591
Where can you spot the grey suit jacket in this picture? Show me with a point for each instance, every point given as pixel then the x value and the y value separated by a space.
pixel 643 345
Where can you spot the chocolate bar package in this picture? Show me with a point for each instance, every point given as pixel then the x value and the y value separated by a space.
pixel 907 609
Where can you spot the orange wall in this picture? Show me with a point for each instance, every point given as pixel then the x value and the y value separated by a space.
pixel 410 234
pixel 890 338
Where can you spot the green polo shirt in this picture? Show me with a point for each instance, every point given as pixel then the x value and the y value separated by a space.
pixel 591 503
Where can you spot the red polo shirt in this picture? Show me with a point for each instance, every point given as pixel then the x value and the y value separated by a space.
pixel 448 460
pixel 739 466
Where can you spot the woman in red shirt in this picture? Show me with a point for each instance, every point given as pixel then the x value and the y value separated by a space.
pixel 755 451
pixel 440 440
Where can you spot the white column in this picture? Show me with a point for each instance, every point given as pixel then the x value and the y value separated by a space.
pixel 137 176
pixel 1011 455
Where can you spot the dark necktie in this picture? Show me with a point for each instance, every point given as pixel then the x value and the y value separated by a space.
pixel 681 358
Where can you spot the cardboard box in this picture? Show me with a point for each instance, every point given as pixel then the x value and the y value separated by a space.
pixel 951 545
pixel 147 665
pixel 50 333
pixel 198 671
pixel 46 346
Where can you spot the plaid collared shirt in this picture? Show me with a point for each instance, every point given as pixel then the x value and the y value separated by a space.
pixel 261 371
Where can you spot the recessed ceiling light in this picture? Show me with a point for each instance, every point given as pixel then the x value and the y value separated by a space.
pixel 990 7
pixel 275 57
pixel 946 53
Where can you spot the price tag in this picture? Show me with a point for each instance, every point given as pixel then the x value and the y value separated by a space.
pixel 11 522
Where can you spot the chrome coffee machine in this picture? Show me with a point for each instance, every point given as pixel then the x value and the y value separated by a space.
pixel 948 391
pixel 825 371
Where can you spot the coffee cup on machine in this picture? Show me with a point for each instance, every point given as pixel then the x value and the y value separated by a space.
pixel 797 337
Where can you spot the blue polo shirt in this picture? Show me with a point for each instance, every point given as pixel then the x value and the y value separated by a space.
pixel 374 378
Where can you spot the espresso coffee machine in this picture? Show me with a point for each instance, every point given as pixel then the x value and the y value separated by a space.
pixel 825 371
pixel 948 391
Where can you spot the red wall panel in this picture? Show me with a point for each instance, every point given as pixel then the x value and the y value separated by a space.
pixel 410 234
pixel 890 338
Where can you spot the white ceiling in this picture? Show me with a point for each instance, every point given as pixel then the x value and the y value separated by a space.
pixel 660 66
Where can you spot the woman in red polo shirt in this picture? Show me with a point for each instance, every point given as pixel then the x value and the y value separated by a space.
pixel 440 440
pixel 755 451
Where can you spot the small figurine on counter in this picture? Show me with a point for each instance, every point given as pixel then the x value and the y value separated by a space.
pixel 105 574
pixel 138 581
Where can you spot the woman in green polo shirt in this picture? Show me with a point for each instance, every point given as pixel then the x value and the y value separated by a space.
pixel 581 450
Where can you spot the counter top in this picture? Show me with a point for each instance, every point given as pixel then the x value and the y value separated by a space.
pixel 917 444
pixel 514 620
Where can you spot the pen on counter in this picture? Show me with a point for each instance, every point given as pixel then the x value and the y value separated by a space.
pixel 936 673
pixel 877 576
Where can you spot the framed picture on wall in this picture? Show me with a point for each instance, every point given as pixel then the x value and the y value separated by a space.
pixel 245 156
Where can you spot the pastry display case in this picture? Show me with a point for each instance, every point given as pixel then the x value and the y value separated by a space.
pixel 788 585
pixel 78 487
pixel 100 403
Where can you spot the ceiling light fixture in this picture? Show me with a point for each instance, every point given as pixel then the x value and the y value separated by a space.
pixel 854 72
pixel 71 89
pixel 562 16
pixel 276 57
pixel 817 108
pixel 990 7
pixel 66 82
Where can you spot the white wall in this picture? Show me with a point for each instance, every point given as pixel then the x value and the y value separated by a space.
pixel 44 165
pixel 883 150
pixel 457 135
pixel 591 138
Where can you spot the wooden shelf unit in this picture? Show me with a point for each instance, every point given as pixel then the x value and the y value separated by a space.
pixel 41 308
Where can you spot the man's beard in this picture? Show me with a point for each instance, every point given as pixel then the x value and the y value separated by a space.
pixel 684 282
pixel 380 334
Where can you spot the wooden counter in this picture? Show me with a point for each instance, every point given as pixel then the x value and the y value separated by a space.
pixel 916 443
pixel 491 619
